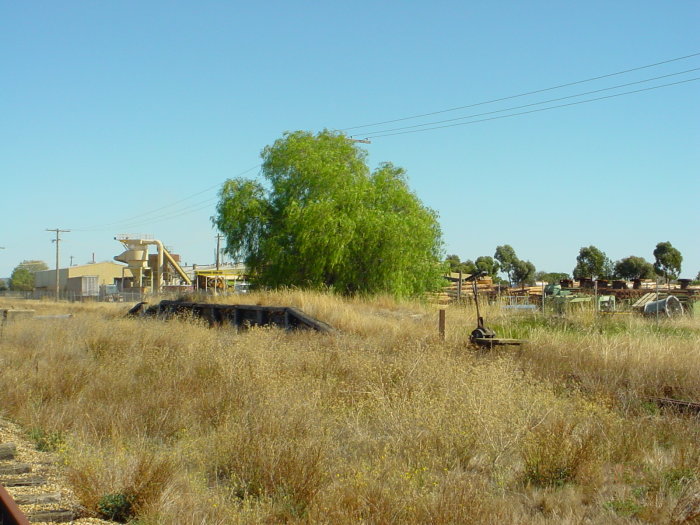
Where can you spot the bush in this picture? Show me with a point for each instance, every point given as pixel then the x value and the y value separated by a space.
pixel 116 507
pixel 555 453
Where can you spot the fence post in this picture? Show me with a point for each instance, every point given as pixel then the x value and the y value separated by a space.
pixel 441 324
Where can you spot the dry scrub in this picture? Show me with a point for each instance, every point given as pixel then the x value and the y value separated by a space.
pixel 378 423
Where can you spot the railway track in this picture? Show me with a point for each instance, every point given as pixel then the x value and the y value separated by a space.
pixel 27 492
pixel 32 489
pixel 27 495
pixel 10 514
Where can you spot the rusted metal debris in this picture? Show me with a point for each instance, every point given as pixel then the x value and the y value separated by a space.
pixel 236 315
pixel 678 404
pixel 482 336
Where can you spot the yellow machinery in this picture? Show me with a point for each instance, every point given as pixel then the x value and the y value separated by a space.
pixel 218 280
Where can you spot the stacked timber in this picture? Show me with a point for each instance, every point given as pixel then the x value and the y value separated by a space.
pixel 457 287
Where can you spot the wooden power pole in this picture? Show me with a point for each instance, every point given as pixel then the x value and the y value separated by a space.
pixel 57 240
pixel 218 251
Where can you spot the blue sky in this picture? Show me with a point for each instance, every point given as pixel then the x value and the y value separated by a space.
pixel 125 117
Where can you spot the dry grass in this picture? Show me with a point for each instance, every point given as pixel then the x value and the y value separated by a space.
pixel 379 423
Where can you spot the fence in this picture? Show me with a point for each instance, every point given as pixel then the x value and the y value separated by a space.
pixel 117 297
pixel 125 297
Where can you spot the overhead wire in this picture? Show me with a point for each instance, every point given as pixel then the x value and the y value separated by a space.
pixel 535 110
pixel 501 99
pixel 129 221
pixel 174 215
pixel 147 217
pixel 534 103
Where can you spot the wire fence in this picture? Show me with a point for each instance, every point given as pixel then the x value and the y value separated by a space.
pixel 119 297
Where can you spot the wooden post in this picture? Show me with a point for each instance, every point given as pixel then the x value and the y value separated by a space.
pixel 459 287
pixel 441 324
pixel 543 292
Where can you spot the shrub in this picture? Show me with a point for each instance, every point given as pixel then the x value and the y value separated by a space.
pixel 116 507
pixel 46 441
pixel 556 453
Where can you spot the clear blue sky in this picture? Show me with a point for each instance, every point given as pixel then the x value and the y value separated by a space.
pixel 110 112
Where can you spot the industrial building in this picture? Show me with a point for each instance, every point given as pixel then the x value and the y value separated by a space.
pixel 82 279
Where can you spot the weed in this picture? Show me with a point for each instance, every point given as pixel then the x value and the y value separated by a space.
pixel 379 423
pixel 47 441
pixel 117 507
pixel 677 478
pixel 626 507
pixel 556 452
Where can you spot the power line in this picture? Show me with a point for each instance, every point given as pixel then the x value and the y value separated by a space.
pixel 125 225
pixel 534 103
pixel 522 94
pixel 536 110
pixel 175 203
pixel 173 215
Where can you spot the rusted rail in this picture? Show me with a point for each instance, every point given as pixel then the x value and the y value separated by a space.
pixel 678 404
pixel 238 315
pixel 9 511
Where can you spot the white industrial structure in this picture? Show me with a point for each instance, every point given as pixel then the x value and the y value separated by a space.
pixel 154 270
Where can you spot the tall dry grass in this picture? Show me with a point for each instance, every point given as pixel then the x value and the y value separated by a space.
pixel 379 423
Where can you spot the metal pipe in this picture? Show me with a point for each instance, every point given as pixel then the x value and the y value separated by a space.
pixel 158 277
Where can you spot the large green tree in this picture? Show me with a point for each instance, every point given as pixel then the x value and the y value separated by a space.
pixel 523 272
pixel 22 278
pixel 33 265
pixel 487 264
pixel 505 255
pixel 634 267
pixel 453 262
pixel 455 265
pixel 668 261
pixel 592 263
pixel 324 220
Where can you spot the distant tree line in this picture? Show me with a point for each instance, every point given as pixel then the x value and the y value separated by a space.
pixel 591 263
pixel 504 260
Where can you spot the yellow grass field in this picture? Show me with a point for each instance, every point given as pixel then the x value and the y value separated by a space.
pixel 378 423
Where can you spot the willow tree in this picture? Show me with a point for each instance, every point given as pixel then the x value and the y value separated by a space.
pixel 320 218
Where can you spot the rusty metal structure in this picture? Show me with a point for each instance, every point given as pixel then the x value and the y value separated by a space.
pixel 482 336
pixel 677 404
pixel 239 316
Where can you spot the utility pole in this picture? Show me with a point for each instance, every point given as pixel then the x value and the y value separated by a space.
pixel 57 240
pixel 218 250
pixel 71 260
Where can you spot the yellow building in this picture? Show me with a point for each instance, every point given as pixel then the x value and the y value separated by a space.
pixel 106 272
